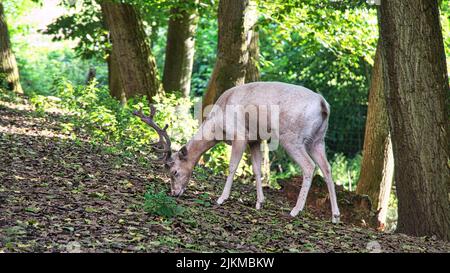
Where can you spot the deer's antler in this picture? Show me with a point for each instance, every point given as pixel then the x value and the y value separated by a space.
pixel 163 145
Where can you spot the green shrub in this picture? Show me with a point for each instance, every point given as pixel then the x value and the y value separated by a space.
pixel 345 170
pixel 101 117
pixel 218 159
pixel 159 203
pixel 9 96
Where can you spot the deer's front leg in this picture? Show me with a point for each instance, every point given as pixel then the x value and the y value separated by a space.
pixel 237 150
pixel 255 149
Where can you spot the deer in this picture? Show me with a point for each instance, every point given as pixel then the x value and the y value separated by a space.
pixel 300 124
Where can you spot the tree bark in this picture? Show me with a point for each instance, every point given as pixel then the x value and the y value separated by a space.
pixel 9 72
pixel 252 73
pixel 180 47
pixel 136 64
pixel 417 92
pixel 90 77
pixel 114 80
pixel 236 18
pixel 377 167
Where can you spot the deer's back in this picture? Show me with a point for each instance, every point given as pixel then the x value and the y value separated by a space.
pixel 298 108
pixel 291 99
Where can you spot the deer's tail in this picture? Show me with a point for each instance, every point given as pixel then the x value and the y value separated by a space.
pixel 325 112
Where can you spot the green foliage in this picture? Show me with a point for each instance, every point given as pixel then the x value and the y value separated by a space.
pixel 84 24
pixel 15 9
pixel 392 213
pixel 217 159
pixel 6 95
pixel 345 171
pixel 327 50
pixel 41 68
pixel 96 114
pixel 3 82
pixel 205 54
pixel 203 199
pixel 159 203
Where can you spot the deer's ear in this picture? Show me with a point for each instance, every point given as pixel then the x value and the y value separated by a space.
pixel 183 153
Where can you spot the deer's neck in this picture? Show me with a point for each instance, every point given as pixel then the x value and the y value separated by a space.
pixel 199 144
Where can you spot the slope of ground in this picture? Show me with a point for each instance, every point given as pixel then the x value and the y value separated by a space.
pixel 63 195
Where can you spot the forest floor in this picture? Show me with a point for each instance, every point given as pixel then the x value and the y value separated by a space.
pixel 64 195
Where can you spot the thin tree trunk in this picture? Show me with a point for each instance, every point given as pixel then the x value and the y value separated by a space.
pixel 90 77
pixel 180 47
pixel 154 31
pixel 417 93
pixel 252 73
pixel 9 72
pixel 235 21
pixel 377 167
pixel 137 66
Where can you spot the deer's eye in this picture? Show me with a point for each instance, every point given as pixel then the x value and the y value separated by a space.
pixel 175 173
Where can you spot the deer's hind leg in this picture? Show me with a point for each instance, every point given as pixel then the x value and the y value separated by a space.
pixel 298 151
pixel 317 152
pixel 237 150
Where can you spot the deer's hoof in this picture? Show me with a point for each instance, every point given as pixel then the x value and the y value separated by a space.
pixel 336 219
pixel 294 212
pixel 258 205
pixel 221 200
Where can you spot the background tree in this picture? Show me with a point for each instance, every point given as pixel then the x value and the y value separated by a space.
pixel 136 64
pixel 180 47
pixel 377 166
pixel 417 89
pixel 9 73
pixel 235 22
pixel 114 77
pixel 252 73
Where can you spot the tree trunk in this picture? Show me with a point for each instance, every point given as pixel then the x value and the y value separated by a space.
pixel 236 18
pixel 90 77
pixel 114 80
pixel 417 93
pixel 180 48
pixel 377 167
pixel 252 69
pixel 9 73
pixel 136 64
pixel 154 31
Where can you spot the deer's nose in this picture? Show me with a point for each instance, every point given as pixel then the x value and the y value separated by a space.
pixel 175 193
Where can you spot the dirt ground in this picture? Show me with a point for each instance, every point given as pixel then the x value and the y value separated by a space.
pixel 63 195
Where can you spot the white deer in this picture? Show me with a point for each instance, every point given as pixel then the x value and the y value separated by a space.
pixel 301 127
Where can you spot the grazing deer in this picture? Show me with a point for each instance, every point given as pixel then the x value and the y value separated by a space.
pixel 300 128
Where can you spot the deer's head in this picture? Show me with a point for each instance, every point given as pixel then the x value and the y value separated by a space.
pixel 180 171
pixel 176 163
